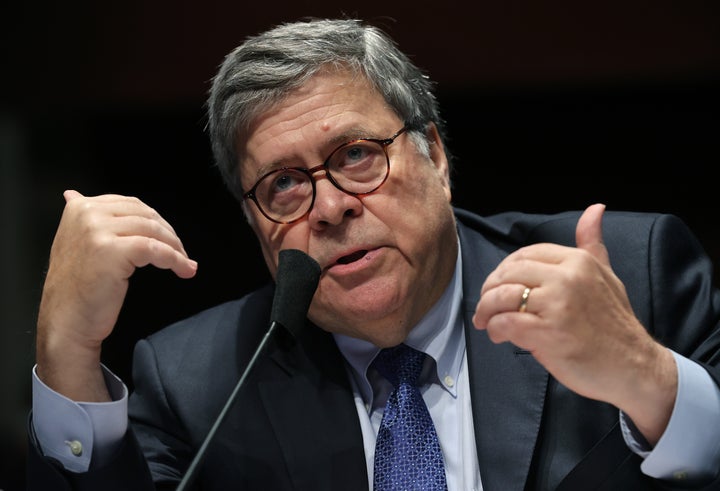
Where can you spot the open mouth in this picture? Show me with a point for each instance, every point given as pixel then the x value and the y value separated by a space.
pixel 351 258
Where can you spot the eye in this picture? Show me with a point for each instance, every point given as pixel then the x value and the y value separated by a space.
pixel 285 180
pixel 355 155
pixel 284 186
pixel 284 190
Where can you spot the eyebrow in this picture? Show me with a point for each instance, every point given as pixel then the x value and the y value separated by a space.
pixel 350 134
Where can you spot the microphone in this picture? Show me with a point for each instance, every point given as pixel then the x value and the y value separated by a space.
pixel 295 283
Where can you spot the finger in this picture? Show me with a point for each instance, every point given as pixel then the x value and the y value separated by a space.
pixel 524 270
pixel 504 299
pixel 154 241
pixel 150 238
pixel 131 206
pixel 519 329
pixel 142 251
pixel 71 194
pixel 128 226
pixel 588 233
pixel 111 208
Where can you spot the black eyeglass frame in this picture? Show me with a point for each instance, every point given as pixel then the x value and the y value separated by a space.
pixel 310 173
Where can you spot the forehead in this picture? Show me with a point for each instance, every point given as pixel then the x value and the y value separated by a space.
pixel 329 107
pixel 324 99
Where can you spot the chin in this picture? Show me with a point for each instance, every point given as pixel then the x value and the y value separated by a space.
pixel 388 340
pixel 382 336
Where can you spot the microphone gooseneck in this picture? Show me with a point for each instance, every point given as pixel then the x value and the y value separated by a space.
pixel 295 283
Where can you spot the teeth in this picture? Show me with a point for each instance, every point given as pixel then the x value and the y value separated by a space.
pixel 352 257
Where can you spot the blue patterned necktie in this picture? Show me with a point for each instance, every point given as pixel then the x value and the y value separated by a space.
pixel 407 452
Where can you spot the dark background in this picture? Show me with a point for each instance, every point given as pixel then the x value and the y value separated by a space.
pixel 550 106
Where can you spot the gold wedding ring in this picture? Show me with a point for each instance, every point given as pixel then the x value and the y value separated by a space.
pixel 524 299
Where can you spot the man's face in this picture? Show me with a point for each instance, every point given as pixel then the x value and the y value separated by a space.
pixel 385 257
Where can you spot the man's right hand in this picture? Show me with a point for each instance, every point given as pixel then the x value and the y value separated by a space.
pixel 99 243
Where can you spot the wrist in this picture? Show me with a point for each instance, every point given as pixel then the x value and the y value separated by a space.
pixel 651 404
pixel 70 368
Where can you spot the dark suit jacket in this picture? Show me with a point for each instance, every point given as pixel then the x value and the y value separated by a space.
pixel 295 426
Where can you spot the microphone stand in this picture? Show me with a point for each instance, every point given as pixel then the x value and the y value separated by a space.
pixel 200 455
pixel 295 283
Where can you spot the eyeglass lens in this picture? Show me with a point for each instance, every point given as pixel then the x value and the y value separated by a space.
pixel 358 167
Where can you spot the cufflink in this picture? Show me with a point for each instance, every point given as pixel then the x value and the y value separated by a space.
pixel 75 447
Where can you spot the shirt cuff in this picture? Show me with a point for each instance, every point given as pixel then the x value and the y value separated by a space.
pixel 79 434
pixel 689 449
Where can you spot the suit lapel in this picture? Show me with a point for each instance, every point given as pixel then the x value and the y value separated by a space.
pixel 507 385
pixel 313 415
pixel 508 391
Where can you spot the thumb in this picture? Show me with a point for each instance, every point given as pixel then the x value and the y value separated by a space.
pixel 588 233
pixel 70 195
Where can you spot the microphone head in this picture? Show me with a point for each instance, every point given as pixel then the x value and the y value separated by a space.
pixel 295 283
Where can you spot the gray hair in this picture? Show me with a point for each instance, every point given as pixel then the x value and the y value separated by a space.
pixel 266 68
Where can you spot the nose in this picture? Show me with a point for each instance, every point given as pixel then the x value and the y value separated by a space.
pixel 332 205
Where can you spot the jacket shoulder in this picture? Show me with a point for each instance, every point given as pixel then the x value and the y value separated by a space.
pixel 520 228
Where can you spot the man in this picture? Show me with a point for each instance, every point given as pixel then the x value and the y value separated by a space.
pixel 572 351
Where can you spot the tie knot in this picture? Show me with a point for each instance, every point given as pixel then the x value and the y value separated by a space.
pixel 400 364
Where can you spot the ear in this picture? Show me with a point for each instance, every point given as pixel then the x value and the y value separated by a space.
pixel 438 156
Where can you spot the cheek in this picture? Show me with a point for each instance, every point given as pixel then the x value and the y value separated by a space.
pixel 419 177
pixel 419 199
pixel 422 226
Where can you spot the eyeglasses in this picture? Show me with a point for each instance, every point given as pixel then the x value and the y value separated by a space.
pixel 358 168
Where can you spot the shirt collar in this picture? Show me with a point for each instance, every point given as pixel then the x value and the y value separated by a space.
pixel 439 334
